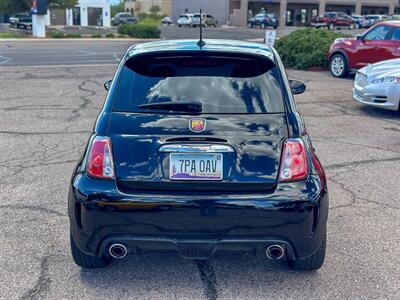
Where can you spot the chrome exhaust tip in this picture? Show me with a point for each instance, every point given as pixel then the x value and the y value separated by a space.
pixel 118 251
pixel 275 251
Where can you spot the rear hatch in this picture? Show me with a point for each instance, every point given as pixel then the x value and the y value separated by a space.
pixel 198 121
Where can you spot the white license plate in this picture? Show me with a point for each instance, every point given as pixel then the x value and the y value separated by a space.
pixel 195 166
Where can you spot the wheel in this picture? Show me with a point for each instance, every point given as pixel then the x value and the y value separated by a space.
pixel 263 25
pixel 331 26
pixel 275 27
pixel 313 262
pixel 87 261
pixel 250 25
pixel 179 26
pixel 358 26
pixel 351 26
pixel 338 66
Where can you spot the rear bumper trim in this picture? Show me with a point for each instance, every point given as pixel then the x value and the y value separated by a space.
pixel 195 248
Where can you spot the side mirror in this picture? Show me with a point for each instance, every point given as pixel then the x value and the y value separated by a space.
pixel 107 84
pixel 297 87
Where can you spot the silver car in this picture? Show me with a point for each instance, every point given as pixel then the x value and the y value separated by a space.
pixel 379 85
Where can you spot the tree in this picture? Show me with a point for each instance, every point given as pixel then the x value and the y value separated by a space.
pixel 19 6
pixel 155 9
pixel 116 8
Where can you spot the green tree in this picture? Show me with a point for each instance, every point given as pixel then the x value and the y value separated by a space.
pixel 116 8
pixel 155 9
pixel 18 6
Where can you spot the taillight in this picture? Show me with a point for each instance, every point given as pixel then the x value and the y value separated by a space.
pixel 100 163
pixel 294 161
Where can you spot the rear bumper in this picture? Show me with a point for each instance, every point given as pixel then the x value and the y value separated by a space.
pixel 294 215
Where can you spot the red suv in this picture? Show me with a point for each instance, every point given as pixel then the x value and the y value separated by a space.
pixel 333 20
pixel 380 42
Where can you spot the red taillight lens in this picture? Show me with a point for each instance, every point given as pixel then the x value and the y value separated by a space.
pixel 294 161
pixel 100 163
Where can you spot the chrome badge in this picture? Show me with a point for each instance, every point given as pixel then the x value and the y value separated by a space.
pixel 197 124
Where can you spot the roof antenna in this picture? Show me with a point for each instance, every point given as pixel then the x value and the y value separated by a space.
pixel 201 43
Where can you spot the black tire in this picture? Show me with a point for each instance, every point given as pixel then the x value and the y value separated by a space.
pixel 312 263
pixel 275 27
pixel 335 66
pixel 263 25
pixel 87 261
pixel 331 26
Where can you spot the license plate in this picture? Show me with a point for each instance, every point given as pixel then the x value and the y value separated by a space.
pixel 193 166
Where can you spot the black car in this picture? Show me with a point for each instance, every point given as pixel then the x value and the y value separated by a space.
pixel 264 20
pixel 199 148
pixel 24 22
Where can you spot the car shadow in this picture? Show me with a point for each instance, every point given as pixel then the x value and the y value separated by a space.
pixel 377 112
pixel 169 274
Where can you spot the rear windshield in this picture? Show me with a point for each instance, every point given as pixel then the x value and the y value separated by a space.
pixel 220 84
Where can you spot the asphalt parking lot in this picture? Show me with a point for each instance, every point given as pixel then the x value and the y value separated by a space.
pixel 46 116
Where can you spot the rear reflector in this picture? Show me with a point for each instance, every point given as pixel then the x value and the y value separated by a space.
pixel 294 161
pixel 100 163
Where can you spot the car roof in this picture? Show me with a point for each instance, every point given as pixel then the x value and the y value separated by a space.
pixel 392 23
pixel 227 46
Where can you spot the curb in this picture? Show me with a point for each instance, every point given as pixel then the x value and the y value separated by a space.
pixel 77 40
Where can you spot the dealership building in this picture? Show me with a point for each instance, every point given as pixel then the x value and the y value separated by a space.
pixel 85 13
pixel 290 12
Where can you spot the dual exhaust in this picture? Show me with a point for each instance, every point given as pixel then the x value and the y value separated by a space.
pixel 274 251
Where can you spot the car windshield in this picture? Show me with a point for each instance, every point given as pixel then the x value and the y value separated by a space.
pixel 183 17
pixel 218 84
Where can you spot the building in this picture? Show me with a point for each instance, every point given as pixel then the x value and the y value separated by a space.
pixel 143 6
pixel 85 13
pixel 300 12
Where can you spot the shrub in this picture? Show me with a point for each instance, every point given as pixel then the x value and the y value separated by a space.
pixel 140 30
pixel 306 47
pixel 96 35
pixel 57 35
pixel 110 35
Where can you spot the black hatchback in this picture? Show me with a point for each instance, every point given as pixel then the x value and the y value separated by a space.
pixel 198 149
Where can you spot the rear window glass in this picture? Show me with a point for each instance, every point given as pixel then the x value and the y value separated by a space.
pixel 220 84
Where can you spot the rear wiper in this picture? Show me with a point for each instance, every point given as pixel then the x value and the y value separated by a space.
pixel 175 106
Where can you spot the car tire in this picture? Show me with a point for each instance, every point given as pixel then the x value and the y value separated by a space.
pixel 263 25
pixel 358 26
pixel 331 26
pixel 338 66
pixel 85 260
pixel 351 26
pixel 275 27
pixel 313 262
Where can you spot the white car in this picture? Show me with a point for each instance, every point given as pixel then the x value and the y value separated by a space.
pixel 185 20
pixel 379 85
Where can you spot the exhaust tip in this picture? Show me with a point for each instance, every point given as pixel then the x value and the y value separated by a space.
pixel 275 251
pixel 117 251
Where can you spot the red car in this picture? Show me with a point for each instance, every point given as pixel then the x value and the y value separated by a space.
pixel 333 20
pixel 380 42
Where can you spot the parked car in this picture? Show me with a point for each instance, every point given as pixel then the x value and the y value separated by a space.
pixel 123 18
pixel 333 20
pixel 185 20
pixel 376 18
pixel 378 85
pixel 199 148
pixel 263 20
pixel 24 22
pixel 361 22
pixel 380 42
pixel 13 20
pixel 166 21
pixel 208 20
